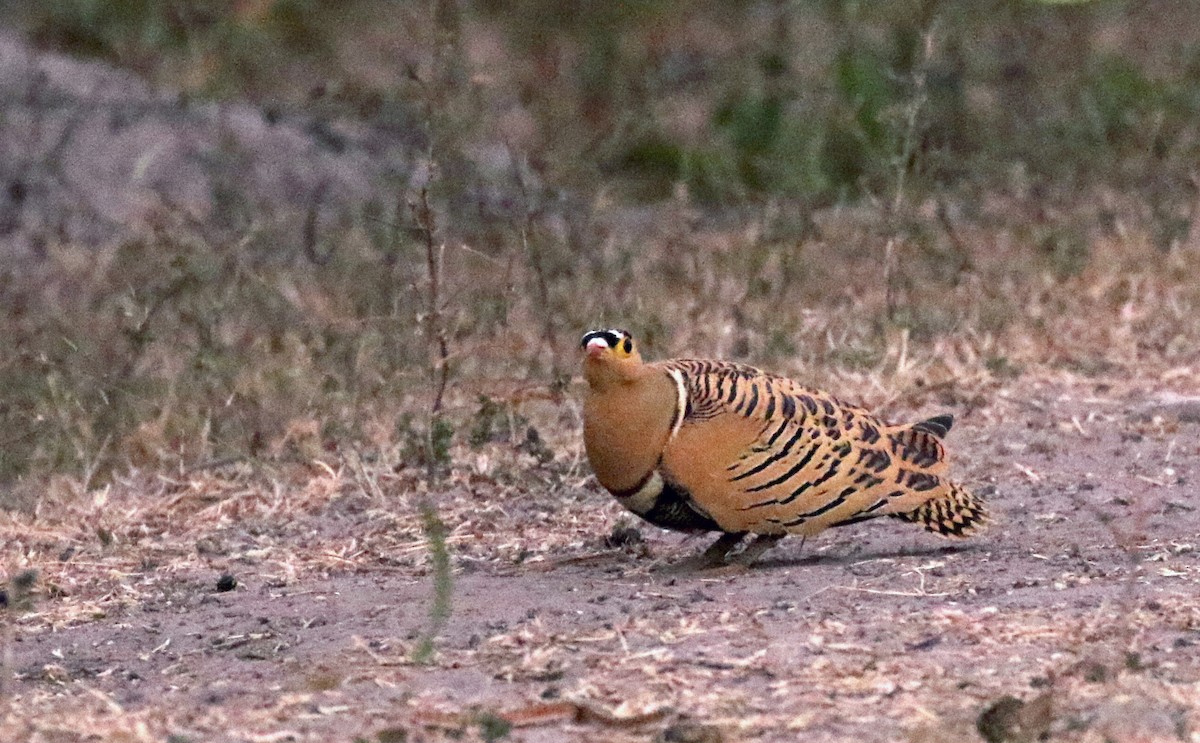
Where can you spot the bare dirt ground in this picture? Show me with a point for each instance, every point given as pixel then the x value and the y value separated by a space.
pixel 1080 601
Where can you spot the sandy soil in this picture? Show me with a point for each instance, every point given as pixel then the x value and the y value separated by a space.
pixel 1080 602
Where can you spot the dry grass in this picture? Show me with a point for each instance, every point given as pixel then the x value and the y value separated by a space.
pixel 123 359
pixel 182 407
pixel 761 656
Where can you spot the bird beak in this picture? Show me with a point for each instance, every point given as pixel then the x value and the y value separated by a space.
pixel 595 347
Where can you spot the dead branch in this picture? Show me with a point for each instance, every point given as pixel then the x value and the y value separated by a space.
pixel 434 320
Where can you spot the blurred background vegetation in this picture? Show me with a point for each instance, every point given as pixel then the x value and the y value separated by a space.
pixel 1002 184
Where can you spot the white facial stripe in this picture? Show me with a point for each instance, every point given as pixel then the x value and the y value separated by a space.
pixel 680 402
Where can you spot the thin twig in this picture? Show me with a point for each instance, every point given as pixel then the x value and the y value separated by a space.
pixel 433 319
pixel 534 253
pixel 889 273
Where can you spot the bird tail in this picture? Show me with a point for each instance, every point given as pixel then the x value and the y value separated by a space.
pixel 938 425
pixel 952 512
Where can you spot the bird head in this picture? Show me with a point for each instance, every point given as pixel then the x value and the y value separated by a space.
pixel 609 356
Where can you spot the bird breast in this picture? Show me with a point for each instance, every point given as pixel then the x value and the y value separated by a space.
pixel 626 428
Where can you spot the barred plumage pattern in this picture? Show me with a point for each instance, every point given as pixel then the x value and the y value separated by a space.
pixel 701 445
pixel 959 514
pixel 817 462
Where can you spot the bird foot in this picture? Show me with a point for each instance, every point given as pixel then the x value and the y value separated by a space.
pixel 728 570
pixel 713 557
pixel 755 550
pixel 715 561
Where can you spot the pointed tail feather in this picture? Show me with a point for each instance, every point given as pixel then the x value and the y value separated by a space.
pixel 957 512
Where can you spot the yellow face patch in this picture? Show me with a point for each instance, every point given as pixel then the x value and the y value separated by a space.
pixel 617 342
pixel 624 348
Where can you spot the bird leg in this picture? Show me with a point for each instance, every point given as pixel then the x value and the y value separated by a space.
pixel 712 557
pixel 719 550
pixel 754 550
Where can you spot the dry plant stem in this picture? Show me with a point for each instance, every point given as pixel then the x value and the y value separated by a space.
pixel 543 289
pixel 903 165
pixel 534 254
pixel 94 463
pixel 368 479
pixel 434 320
pixel 965 262
pixel 140 340
pixel 431 523
pixel 310 227
pixel 889 283
pixel 444 80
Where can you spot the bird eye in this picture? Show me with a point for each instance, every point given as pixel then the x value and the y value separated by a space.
pixel 627 346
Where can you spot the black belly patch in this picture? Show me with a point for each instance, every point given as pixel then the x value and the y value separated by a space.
pixel 671 510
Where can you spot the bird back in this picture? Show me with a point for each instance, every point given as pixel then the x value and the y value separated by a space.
pixel 764 454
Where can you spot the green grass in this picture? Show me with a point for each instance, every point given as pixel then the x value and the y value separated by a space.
pixel 442 579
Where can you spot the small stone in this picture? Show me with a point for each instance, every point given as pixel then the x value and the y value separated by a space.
pixel 226 583
pixel 392 735
pixel 623 536
pixel 1012 719
pixel 689 731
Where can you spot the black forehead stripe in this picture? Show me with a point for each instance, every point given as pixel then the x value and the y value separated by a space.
pixel 611 337
pixel 605 335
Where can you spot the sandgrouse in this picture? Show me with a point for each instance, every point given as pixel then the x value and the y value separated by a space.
pixel 698 445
